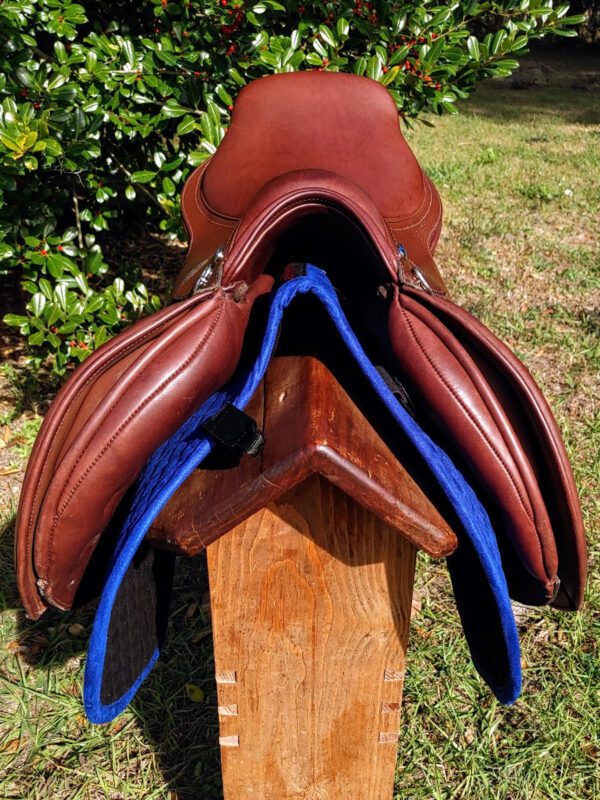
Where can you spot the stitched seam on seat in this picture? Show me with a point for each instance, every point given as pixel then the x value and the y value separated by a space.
pixel 481 430
pixel 420 219
pixel 122 427
pixel 435 226
pixel 337 205
pixel 126 351
pixel 206 209
pixel 425 202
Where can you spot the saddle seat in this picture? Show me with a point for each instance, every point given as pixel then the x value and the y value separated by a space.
pixel 351 137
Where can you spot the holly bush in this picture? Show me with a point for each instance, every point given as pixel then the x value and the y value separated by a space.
pixel 106 108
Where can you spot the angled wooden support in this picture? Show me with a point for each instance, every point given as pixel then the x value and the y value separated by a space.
pixel 311 550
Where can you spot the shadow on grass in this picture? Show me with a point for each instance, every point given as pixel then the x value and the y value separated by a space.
pixel 551 82
pixel 499 102
pixel 182 735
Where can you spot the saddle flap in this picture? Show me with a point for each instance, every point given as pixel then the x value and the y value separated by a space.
pixel 492 415
pixel 113 412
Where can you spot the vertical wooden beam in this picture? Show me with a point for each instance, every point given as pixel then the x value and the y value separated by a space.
pixel 310 602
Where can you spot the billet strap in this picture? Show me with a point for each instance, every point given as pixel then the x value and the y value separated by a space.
pixel 475 568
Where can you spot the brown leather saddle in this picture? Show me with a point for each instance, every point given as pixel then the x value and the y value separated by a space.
pixel 313 168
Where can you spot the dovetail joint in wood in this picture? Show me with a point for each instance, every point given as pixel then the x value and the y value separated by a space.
pixel 388 708
pixel 393 675
pixel 229 741
pixel 228 711
pixel 226 677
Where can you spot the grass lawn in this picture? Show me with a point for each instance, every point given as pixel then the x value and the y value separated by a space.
pixel 519 174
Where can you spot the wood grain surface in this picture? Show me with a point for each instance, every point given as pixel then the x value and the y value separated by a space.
pixel 311 426
pixel 310 600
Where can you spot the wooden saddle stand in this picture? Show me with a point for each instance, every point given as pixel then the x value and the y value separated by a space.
pixel 311 554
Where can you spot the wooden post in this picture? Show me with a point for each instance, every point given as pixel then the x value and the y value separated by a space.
pixel 311 552
pixel 310 601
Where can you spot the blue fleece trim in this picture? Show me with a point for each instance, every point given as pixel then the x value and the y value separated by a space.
pixel 179 456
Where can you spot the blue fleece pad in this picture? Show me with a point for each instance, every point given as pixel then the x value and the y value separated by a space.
pixel 476 568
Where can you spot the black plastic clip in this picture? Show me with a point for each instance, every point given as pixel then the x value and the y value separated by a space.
pixel 235 430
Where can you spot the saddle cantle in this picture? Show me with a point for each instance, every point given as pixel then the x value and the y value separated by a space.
pixel 313 168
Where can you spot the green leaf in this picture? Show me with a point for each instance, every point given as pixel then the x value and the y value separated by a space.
pixel 91 59
pixel 37 338
pixel 473 48
pixel 168 186
pixel 498 41
pixel 374 69
pixel 143 176
pixel 15 320
pixel 343 27
pixel 100 336
pixel 314 60
pixel 237 77
pixel 172 109
pixel 55 266
pixel 187 125
pixel 60 295
pixel 224 95
pixel 37 303
pixel 25 77
pixel 399 56
pixel 195 693
pixel 9 142
pixel 60 51
pixel 327 35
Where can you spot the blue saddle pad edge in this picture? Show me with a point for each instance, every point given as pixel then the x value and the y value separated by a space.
pixel 179 456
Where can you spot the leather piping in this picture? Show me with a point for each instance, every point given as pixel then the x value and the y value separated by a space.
pixel 123 425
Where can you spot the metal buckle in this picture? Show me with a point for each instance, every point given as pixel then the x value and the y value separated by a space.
pixel 211 273
pixel 421 279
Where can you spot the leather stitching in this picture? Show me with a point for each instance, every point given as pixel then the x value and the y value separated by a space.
pixel 419 219
pixel 479 428
pixel 337 204
pixel 119 430
pixel 116 357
